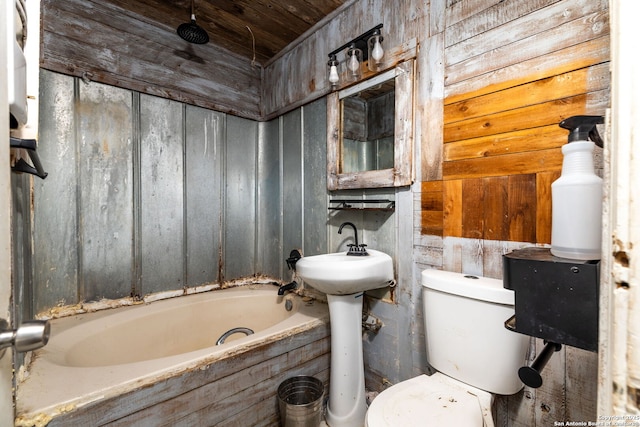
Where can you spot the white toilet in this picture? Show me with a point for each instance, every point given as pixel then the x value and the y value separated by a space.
pixel 467 343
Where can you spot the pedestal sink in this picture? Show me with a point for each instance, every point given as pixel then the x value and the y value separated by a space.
pixel 344 279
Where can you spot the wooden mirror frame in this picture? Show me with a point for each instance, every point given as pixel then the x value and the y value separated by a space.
pixel 402 172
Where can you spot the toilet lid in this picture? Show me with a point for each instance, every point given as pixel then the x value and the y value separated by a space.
pixel 425 401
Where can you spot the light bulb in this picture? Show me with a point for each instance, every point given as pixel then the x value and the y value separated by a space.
pixel 333 75
pixel 353 63
pixel 377 53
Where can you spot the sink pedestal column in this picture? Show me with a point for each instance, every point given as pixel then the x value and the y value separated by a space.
pixel 347 402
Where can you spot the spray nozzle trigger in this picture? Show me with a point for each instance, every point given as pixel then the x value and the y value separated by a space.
pixel 583 128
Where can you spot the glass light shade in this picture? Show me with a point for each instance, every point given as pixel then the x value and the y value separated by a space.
pixel 376 53
pixel 354 58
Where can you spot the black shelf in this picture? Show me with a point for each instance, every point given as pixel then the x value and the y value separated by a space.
pixel 384 205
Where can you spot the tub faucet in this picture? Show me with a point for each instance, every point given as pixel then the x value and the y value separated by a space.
pixel 288 287
pixel 354 249
pixel 29 336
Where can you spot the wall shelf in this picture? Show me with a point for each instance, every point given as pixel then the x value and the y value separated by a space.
pixel 363 204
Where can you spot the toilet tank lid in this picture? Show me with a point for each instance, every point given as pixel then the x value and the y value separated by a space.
pixel 468 285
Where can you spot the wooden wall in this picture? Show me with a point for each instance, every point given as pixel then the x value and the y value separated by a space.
pixel 512 72
pixel 106 43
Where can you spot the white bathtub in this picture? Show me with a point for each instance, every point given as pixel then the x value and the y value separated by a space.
pixel 158 364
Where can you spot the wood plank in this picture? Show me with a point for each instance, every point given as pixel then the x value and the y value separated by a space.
pixel 581 376
pixel 509 23
pixel 432 200
pixel 519 163
pixel 94 63
pixel 61 65
pixel 466 254
pixel 428 256
pixel 571 58
pixel 497 15
pixel 428 108
pixel 520 141
pixel 452 207
pixel 452 253
pixel 431 208
pixel 538 115
pixel 522 208
pixel 550 397
pixel 432 222
pixel 333 139
pixel 436 18
pixel 560 86
pixel 404 125
pixel 431 186
pixel 472 208
pixel 572 33
pixel 496 213
pixel 457 11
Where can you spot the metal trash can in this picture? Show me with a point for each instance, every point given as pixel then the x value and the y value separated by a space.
pixel 300 401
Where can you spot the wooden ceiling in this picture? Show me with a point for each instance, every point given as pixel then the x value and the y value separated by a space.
pixel 235 24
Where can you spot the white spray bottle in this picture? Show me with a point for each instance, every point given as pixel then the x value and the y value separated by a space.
pixel 576 226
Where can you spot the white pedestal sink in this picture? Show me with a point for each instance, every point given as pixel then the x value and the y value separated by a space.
pixel 344 279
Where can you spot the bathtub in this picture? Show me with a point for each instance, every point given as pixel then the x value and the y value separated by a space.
pixel 157 364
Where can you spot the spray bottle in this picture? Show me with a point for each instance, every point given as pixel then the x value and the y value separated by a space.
pixel 576 225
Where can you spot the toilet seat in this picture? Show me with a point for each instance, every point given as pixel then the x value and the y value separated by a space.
pixel 435 400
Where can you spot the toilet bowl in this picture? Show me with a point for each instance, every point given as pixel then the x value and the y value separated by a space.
pixel 426 401
pixel 474 355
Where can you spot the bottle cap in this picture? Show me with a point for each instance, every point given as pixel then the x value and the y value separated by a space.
pixel 583 128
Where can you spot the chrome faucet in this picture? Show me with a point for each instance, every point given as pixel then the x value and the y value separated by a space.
pixel 354 249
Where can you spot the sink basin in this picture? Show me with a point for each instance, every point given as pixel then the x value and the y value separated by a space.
pixel 339 274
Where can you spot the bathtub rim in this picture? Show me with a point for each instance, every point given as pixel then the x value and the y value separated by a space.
pixel 81 387
pixel 73 335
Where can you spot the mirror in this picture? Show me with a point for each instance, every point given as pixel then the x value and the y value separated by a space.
pixel 369 134
pixel 368 119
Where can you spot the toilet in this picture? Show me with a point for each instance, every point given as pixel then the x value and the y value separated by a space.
pixel 474 355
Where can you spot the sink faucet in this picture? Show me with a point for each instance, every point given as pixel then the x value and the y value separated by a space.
pixel 354 249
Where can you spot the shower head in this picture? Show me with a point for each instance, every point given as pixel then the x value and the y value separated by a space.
pixel 192 32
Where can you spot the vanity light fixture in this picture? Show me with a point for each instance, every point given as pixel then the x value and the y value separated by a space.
pixel 366 46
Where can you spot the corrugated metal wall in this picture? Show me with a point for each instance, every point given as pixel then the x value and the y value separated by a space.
pixel 146 194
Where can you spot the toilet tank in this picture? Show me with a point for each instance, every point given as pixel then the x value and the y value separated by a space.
pixel 466 339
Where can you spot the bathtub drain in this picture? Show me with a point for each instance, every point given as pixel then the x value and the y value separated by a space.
pixel 232 331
